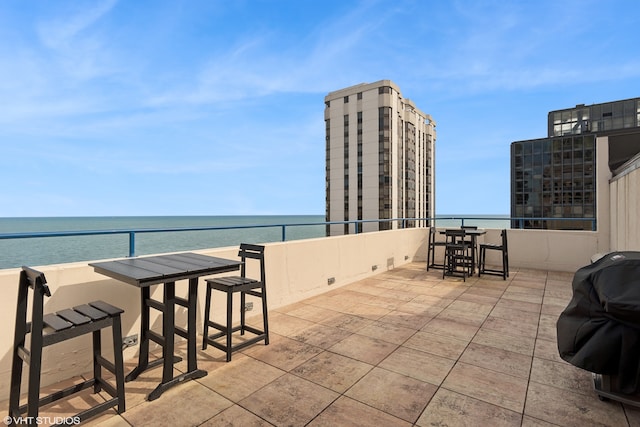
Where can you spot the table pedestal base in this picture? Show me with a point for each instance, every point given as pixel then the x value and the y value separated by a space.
pixel 164 386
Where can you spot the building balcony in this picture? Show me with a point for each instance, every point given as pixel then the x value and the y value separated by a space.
pixel 383 343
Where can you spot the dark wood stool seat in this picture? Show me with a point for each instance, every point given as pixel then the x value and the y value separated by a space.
pixel 245 286
pixel 48 329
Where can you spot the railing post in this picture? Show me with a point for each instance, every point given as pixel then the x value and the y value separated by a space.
pixel 284 236
pixel 132 244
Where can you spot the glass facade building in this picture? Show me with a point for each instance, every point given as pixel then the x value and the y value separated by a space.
pixel 554 177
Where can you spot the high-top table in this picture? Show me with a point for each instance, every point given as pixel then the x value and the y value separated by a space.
pixel 145 272
pixel 473 233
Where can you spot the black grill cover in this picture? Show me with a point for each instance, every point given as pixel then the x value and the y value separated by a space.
pixel 599 331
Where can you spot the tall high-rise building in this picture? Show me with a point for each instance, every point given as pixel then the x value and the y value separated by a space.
pixel 553 179
pixel 380 158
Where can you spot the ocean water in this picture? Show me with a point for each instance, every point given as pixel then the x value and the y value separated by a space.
pixel 481 221
pixel 54 250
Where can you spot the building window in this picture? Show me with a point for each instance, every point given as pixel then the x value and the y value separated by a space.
pixel 359 171
pixel 384 164
pixel 346 166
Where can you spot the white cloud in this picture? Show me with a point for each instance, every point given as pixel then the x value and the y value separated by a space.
pixel 64 33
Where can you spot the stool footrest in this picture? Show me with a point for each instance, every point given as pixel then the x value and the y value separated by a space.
pixel 239 346
pixel 95 410
pixel 261 335
pixel 53 397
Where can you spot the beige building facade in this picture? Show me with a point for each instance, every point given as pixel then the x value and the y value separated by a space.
pixel 380 159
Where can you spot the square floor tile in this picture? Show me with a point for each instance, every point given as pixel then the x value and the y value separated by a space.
pixel 496 359
pixel 494 338
pixel 562 375
pixel 407 320
pixel 418 364
pixel 492 387
pixel 387 332
pixel 547 329
pixel 347 322
pixel 285 324
pixel 511 326
pixel 451 329
pixel 440 345
pixel 565 408
pixel 461 316
pixel 410 396
pixel 365 349
pixel 516 294
pixel 507 312
pixel 372 312
pixel 240 378
pixel 471 296
pixel 190 403
pixel 333 371
pixel 547 350
pixel 310 312
pixel 346 412
pixel 236 416
pixel 320 335
pixel 521 306
pixel 448 408
pixel 284 353
pixel 289 400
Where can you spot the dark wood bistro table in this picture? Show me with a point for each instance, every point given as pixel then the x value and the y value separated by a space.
pixel 144 272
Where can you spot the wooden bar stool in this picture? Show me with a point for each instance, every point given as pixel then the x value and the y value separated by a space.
pixel 431 250
pixel 484 247
pixel 56 327
pixel 457 256
pixel 232 285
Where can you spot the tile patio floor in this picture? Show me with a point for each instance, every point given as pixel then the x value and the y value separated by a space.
pixel 402 348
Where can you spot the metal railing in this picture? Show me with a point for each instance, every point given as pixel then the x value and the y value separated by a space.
pixel 533 223
pixel 133 232
pixel 402 223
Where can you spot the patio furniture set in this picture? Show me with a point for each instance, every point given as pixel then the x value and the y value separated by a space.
pixel 35 330
pixel 463 255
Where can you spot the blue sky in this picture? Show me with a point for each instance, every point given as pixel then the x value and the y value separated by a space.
pixel 207 107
